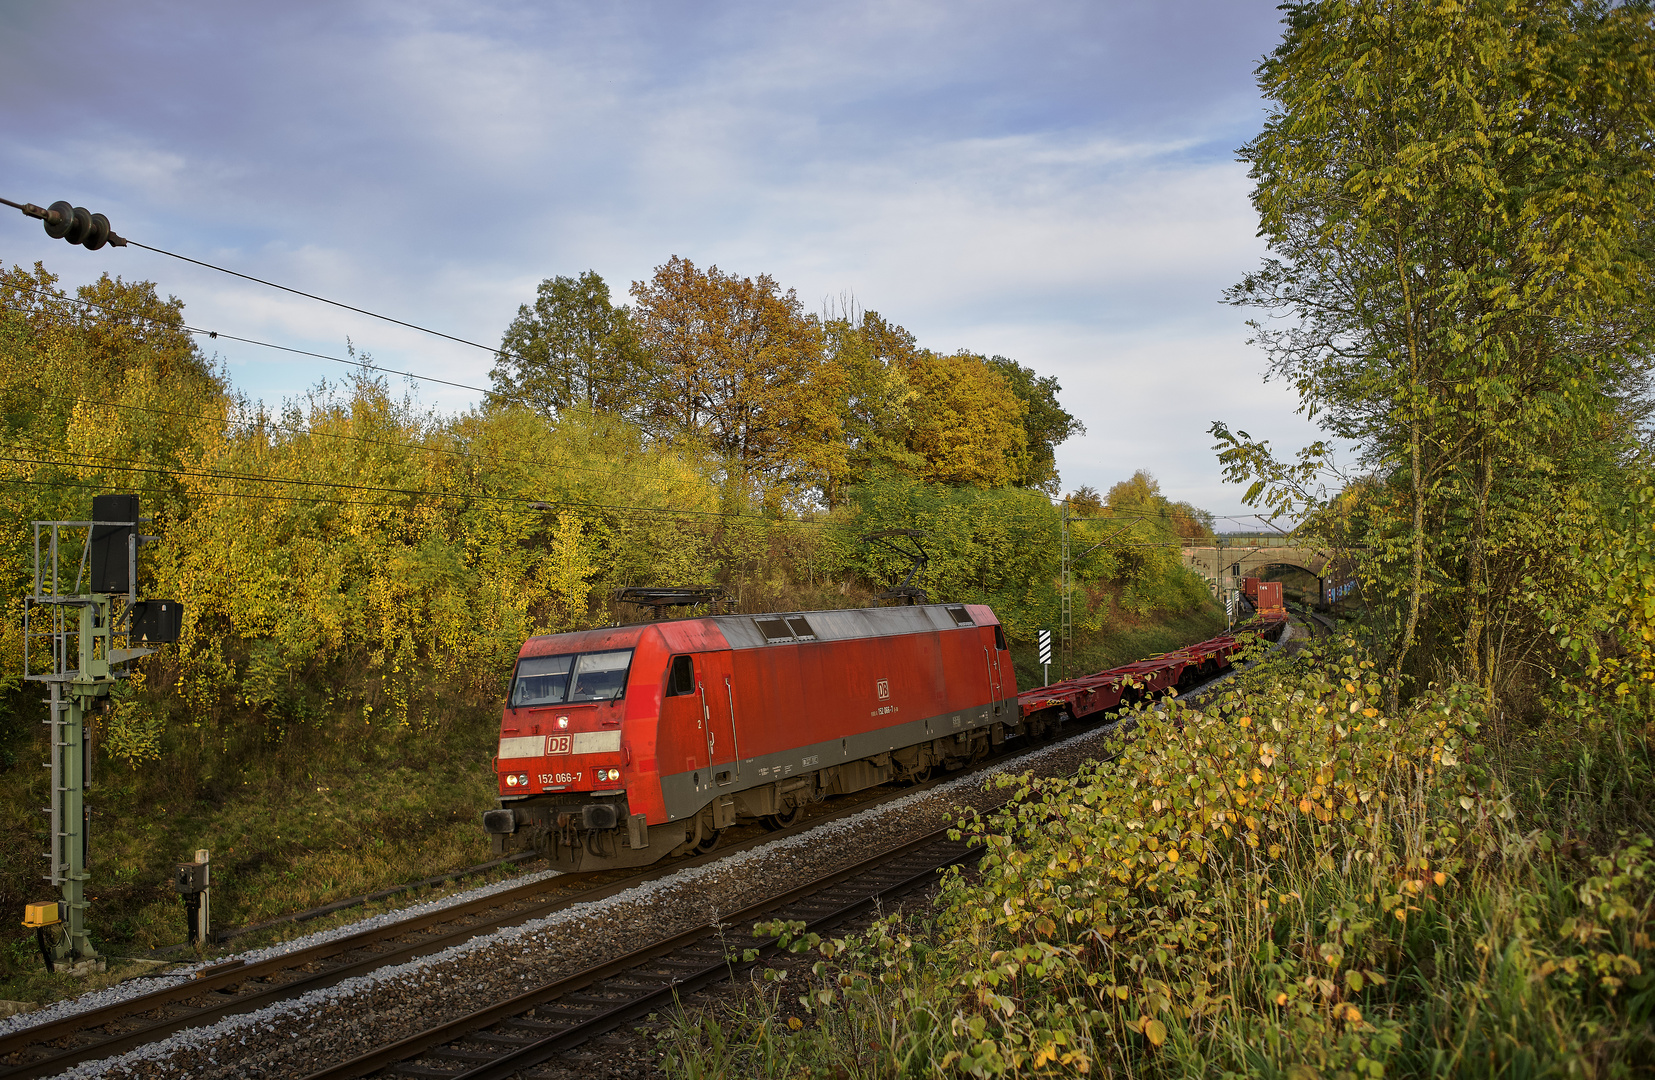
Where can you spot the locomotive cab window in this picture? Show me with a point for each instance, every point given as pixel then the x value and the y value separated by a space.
pixel 999 638
pixel 682 680
pixel 552 680
pixel 600 676
pixel 541 680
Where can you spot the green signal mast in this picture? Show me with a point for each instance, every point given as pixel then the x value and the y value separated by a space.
pixel 70 641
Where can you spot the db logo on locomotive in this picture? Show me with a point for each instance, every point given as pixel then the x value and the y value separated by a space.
pixel 884 687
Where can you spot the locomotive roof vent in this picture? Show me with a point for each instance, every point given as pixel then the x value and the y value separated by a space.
pixel 790 628
pixel 960 614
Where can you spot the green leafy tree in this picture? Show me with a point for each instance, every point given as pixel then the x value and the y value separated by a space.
pixel 573 347
pixel 1046 424
pixel 873 357
pixel 1457 201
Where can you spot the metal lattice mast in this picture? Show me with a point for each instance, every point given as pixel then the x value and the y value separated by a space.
pixel 1066 627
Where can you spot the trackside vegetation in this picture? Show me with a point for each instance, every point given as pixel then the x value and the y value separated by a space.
pixel 1293 881
pixel 358 572
pixel 1423 847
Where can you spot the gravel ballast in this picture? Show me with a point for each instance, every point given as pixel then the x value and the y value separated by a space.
pixel 327 1026
pixel 331 1025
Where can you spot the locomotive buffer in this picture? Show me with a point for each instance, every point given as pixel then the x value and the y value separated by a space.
pixel 69 640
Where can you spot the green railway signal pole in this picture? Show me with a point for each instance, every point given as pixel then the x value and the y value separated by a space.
pixel 69 639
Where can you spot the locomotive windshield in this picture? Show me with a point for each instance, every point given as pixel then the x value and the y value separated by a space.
pixel 553 680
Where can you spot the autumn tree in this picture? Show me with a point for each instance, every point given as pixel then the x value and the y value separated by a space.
pixel 1456 197
pixel 953 419
pixel 873 358
pixel 1046 423
pixel 742 370
pixel 1085 501
pixel 573 347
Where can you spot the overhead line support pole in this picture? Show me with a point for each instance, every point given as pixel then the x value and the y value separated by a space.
pixel 1067 623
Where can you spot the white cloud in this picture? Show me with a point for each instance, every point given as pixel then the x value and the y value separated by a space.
pixel 1053 186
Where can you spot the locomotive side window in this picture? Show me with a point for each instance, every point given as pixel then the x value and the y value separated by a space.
pixel 540 680
pixel 683 676
pixel 999 638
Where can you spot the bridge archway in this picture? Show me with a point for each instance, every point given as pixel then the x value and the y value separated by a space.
pixel 1234 556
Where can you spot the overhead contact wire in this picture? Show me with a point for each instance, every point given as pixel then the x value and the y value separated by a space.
pixel 323 299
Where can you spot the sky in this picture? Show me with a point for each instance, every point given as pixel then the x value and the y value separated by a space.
pixel 1053 182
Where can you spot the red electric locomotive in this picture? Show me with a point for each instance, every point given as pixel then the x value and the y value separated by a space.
pixel 624 745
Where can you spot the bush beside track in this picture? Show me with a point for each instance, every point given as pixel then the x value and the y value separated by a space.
pixel 1292 881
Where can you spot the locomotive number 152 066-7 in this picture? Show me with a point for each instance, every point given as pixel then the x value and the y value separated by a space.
pixel 558 778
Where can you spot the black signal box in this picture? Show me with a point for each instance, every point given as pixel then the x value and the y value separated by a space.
pixel 157 622
pixel 111 544
pixel 190 877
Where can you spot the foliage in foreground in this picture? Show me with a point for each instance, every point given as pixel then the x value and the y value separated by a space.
pixel 1294 882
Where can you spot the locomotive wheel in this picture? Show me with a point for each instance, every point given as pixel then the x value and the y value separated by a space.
pixel 921 774
pixel 708 842
pixel 788 816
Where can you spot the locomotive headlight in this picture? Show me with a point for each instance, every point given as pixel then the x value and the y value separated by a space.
pixel 511 780
pixel 614 774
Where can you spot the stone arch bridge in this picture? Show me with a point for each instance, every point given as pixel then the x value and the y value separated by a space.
pixel 1238 555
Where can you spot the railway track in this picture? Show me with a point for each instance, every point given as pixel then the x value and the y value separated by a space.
pixel 515 1036
pixel 238 986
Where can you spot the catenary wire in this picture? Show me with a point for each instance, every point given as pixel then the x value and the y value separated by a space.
pixel 115 313
pixel 216 335
pixel 129 242
pixel 129 466
pixel 336 303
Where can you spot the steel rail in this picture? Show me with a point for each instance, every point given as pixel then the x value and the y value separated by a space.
pixel 540 1050
pixel 228 976
pixel 224 977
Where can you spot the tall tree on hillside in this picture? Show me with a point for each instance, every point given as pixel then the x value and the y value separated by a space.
pixel 966 422
pixel 1457 197
pixel 957 419
pixel 873 358
pixel 573 347
pixel 1046 423
pixel 742 370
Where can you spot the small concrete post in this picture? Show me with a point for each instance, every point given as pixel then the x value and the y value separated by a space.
pixel 202 924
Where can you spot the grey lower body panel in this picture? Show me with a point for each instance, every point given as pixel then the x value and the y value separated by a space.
pixel 686 793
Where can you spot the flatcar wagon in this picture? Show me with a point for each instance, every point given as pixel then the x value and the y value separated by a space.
pixel 623 745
